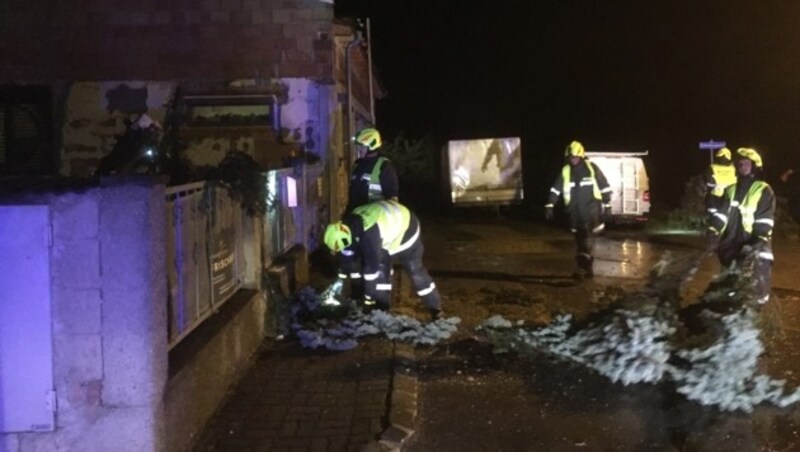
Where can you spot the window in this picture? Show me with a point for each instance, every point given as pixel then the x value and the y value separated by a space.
pixel 230 110
pixel 25 130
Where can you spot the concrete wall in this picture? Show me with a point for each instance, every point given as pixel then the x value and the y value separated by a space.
pixel 117 385
pixel 109 320
pixel 207 365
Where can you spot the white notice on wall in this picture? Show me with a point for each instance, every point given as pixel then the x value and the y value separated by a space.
pixel 291 192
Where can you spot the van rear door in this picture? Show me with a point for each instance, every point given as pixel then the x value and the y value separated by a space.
pixel 630 187
pixel 629 190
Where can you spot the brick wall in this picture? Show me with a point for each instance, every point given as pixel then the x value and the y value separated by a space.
pixel 43 41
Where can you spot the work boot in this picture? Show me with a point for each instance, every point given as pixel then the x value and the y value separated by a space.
pixel 584 263
pixel 372 305
pixel 436 314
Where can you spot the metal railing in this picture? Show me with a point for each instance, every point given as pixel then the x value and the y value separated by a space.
pixel 205 261
pixel 205 243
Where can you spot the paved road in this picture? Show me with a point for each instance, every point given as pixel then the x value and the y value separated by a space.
pixel 472 400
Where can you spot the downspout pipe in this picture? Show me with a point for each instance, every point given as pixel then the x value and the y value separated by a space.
pixel 350 124
pixel 276 119
pixel 369 73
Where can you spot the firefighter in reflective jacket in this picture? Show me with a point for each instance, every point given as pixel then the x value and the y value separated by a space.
pixel 744 222
pixel 378 233
pixel 587 198
pixel 718 176
pixel 373 177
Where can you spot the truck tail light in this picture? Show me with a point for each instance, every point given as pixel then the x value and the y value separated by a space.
pixel 646 196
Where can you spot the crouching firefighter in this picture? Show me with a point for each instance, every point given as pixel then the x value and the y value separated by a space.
pixel 744 222
pixel 587 198
pixel 379 233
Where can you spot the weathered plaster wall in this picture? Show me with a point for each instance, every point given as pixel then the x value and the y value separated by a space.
pixel 94 117
pixel 95 113
pixel 300 116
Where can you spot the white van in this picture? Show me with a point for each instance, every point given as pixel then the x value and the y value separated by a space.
pixel 627 176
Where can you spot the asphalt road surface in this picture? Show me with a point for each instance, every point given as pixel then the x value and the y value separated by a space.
pixel 475 400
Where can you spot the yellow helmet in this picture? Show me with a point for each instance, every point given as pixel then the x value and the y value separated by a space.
pixel 750 153
pixel 575 149
pixel 338 236
pixel 723 153
pixel 369 137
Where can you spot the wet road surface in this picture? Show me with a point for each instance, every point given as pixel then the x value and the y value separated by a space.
pixel 475 400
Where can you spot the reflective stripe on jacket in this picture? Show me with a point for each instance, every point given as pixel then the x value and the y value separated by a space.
pixel 375 191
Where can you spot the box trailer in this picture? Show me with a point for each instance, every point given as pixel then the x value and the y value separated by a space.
pixel 627 176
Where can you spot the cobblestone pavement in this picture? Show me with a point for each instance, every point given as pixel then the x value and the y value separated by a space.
pixel 294 399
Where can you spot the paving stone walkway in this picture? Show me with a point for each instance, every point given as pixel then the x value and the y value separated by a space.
pixel 294 399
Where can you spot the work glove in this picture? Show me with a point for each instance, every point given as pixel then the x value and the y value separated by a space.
pixel 332 295
pixel 548 213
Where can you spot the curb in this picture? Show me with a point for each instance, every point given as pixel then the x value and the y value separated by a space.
pixel 402 402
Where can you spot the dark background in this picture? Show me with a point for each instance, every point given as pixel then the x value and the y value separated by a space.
pixel 617 75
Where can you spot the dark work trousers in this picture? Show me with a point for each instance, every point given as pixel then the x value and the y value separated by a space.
pixel 730 253
pixel 584 254
pixel 350 268
pixel 585 224
pixel 411 261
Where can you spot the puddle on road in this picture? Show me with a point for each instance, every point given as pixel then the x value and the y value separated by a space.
pixel 628 258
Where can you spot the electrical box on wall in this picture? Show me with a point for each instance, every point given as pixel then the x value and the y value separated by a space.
pixel 27 400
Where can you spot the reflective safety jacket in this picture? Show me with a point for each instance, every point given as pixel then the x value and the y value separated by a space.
pixel 748 212
pixel 373 179
pixel 585 183
pixel 379 228
pixel 583 188
pixel 390 221
pixel 719 177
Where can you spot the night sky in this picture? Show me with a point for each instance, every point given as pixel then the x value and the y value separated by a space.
pixel 616 75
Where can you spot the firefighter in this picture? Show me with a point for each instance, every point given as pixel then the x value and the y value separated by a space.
pixel 719 175
pixel 587 198
pixel 373 178
pixel 378 233
pixel 743 223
